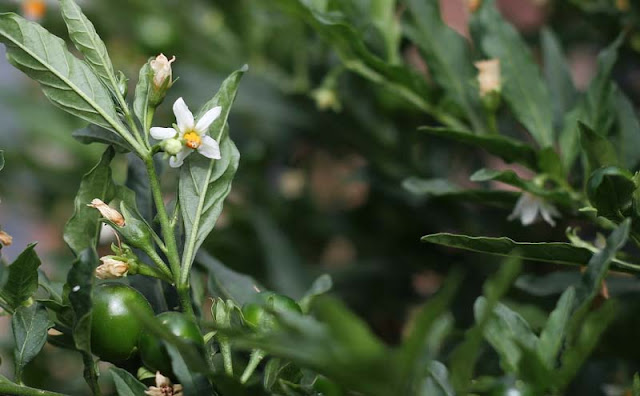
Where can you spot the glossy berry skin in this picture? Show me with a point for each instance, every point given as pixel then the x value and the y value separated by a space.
pixel 154 354
pixel 256 316
pixel 115 328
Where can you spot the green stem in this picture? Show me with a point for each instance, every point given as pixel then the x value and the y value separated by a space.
pixel 225 349
pixel 256 357
pixel 13 389
pixel 184 294
pixel 157 260
pixel 144 269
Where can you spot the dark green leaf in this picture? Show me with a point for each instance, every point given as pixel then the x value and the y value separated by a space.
pixel 629 127
pixel 506 148
pixel 635 390
pixel 226 283
pixel 95 134
pixel 126 384
pixel 610 191
pixel 447 55
pixel 87 41
pixel 320 286
pixel 558 77
pixel 511 178
pixel 29 325
pixel 597 148
pixel 81 231
pixel 441 188
pixel 141 99
pixel 22 281
pixel 205 183
pixel 522 85
pixel 66 81
pixel 554 331
pixel 194 383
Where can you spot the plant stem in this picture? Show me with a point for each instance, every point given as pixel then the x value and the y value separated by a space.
pixel 184 295
pixel 225 349
pixel 256 357
pixel 13 389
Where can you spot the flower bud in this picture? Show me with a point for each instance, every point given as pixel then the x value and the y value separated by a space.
pixel 107 212
pixel 171 146
pixel 5 239
pixel 488 76
pixel 111 268
pixel 326 98
pixel 161 67
pixel 164 387
pixel 473 5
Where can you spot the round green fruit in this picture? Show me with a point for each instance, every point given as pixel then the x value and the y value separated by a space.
pixel 115 328
pixel 154 354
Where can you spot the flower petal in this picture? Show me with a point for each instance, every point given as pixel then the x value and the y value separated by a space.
pixel 529 213
pixel 209 147
pixel 207 119
pixel 159 133
pixel 184 118
pixel 177 160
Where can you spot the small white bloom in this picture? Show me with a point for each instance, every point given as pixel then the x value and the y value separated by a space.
pixel 529 206
pixel 161 67
pixel 164 387
pixel 192 134
pixel 488 76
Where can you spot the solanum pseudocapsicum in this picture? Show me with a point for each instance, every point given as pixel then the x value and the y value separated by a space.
pixel 115 328
pixel 257 317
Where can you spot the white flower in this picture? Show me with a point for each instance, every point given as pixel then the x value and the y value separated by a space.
pixel 161 67
pixel 529 206
pixel 164 387
pixel 192 135
pixel 111 268
pixel 488 76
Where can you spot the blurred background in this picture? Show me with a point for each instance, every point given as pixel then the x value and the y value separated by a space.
pixel 324 155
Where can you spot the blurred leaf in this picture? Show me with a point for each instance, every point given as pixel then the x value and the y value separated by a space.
pixel 22 281
pixel 285 271
pixel 506 148
pixel 437 381
pixel 506 330
pixel 553 283
pixel 465 355
pixel 522 85
pixel 29 325
pixel 554 331
pixel 320 286
pixel 141 99
pixel 226 283
pixel 587 338
pixel 629 139
pixel 65 80
pixel 610 191
pixel 447 56
pixel 635 390
pixel 126 384
pixel 87 41
pixel 597 148
pixel 532 370
pixel 194 383
pixel 1 159
pixel 511 178
pixel 205 183
pixel 138 183
pixel 441 188
pixel 95 134
pixel 558 76
pixel 82 229
pixel 383 17
pixel 595 109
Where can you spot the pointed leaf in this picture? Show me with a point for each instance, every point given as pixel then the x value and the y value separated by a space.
pixel 29 325
pixel 320 286
pixel 554 331
pixel 67 81
pixel 511 178
pixel 141 99
pixel 226 283
pixel 558 77
pixel 597 148
pixel 22 281
pixel 629 139
pixel 126 384
pixel 610 191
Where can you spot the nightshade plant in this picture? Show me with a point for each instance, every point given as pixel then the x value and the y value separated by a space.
pixel 256 342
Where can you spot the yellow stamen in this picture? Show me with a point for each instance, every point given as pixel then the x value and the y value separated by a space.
pixel 192 140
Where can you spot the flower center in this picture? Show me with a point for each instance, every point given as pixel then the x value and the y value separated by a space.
pixel 192 140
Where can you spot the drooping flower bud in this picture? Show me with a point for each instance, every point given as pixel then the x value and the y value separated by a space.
pixel 161 67
pixel 107 212
pixel 5 239
pixel 111 268
pixel 164 387
pixel 488 76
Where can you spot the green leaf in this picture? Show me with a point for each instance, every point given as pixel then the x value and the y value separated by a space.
pixel 597 148
pixel 82 229
pixel 67 81
pixel 610 191
pixel 29 325
pixel 635 390
pixel 320 286
pixel 437 382
pixel 511 178
pixel 126 384
pixel 553 333
pixel 557 76
pixel 506 148
pixel 141 98
pixel 447 55
pixel 22 281
pixel 629 138
pixel 87 41
pixel 194 383
pixel 226 283
pixel 205 183
pixel 95 134
pixel 522 85
pixel 1 159
pixel 441 188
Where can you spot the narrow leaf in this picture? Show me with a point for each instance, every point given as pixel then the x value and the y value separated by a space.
pixel 558 77
pixel 629 137
pixel 554 331
pixel 67 81
pixel 511 178
pixel 141 98
pixel 1 159
pixel 320 286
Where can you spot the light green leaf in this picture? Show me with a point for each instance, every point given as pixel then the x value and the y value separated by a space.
pixel 522 85
pixel 67 81
pixel 1 159
pixel 383 17
pixel 87 41
pixel 320 286
pixel 437 382
pixel 29 325
pixel 558 77
pixel 511 178
pixel 635 391
pixel 81 231
pixel 506 148
pixel 205 183
pixel 126 384
pixel 22 281
pixel 448 57
pixel 141 98
pixel 554 331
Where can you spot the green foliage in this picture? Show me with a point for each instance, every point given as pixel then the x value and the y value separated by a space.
pixel 22 281
pixel 126 384
pixel 29 325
